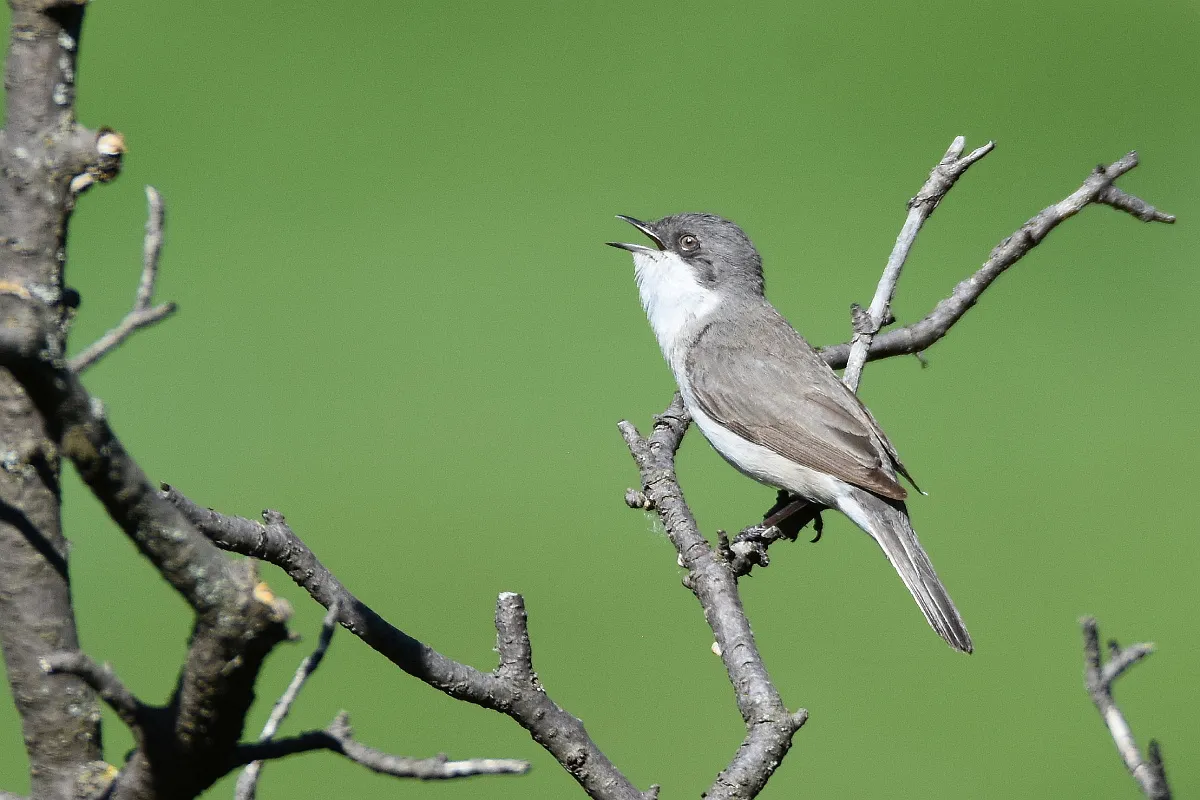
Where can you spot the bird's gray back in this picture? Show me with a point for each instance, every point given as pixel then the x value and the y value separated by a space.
pixel 750 371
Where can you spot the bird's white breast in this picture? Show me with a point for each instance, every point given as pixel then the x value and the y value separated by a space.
pixel 674 301
pixel 676 304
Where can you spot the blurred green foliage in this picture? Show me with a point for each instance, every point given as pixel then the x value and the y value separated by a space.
pixel 399 325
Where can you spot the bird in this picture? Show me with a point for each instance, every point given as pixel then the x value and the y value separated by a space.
pixel 767 402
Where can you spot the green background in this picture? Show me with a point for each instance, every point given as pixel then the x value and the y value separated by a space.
pixel 399 325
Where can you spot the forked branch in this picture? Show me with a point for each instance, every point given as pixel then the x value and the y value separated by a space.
pixel 512 689
pixel 941 180
pixel 143 315
pixel 749 548
pixel 1098 188
pixel 247 782
pixel 1148 771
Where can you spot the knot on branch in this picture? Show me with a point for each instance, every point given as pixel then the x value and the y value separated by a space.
pixel 102 164
pixel 864 325
pixel 748 549
pixel 95 780
pixel 637 499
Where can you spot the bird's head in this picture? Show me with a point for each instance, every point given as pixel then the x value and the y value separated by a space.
pixel 708 251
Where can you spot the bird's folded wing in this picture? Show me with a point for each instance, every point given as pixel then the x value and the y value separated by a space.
pixel 778 393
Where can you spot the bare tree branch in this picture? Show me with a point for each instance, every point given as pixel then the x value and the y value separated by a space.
pixel 749 547
pixel 940 181
pixel 769 725
pixel 1149 772
pixel 507 690
pixel 143 315
pixel 103 681
pixel 238 620
pixel 42 149
pixel 338 738
pixel 247 782
pixel 713 574
pixel 1098 188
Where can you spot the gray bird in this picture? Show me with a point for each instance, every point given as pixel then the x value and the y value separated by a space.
pixel 767 402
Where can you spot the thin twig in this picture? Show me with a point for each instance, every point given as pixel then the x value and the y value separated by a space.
pixel 769 725
pixel 1149 772
pixel 339 738
pixel 1098 188
pixel 103 681
pixel 143 315
pixel 940 181
pixel 1121 201
pixel 247 782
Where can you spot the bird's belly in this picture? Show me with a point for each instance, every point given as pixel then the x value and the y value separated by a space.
pixel 765 465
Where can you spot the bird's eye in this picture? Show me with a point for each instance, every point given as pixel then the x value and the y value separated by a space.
pixel 689 243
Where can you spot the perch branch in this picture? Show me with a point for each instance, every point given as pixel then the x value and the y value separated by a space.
pixel 507 690
pixel 143 315
pixel 712 575
pixel 247 782
pixel 339 738
pixel 1149 772
pixel 769 725
pixel 940 181
pixel 1098 188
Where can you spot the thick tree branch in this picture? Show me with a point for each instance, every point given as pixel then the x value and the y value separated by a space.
pixel 247 782
pixel 769 725
pixel 42 149
pixel 941 180
pixel 339 738
pixel 238 621
pixel 143 315
pixel 1149 772
pixel 921 335
pixel 507 690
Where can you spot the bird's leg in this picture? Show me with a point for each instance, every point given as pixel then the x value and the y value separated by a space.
pixel 782 521
pixel 790 514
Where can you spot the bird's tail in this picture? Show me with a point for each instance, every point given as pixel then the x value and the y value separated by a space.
pixel 887 523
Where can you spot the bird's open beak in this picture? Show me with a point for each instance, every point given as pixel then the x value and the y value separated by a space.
pixel 644 228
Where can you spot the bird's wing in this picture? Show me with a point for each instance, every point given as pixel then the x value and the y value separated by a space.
pixel 763 381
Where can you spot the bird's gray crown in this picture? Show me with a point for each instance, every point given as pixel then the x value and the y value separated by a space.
pixel 717 249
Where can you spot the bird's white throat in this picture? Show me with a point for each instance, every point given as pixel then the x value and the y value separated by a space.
pixel 674 300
